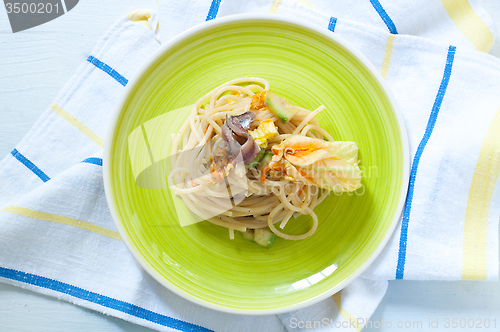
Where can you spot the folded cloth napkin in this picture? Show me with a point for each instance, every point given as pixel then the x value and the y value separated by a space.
pixel 57 236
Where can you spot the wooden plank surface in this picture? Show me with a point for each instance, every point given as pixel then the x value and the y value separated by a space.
pixel 36 63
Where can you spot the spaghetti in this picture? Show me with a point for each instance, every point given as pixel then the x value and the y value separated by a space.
pixel 222 148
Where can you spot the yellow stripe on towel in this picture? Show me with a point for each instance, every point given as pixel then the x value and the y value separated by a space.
pixel 306 3
pixel 467 21
pixel 275 6
pixel 347 316
pixel 80 126
pixel 63 220
pixel 388 54
pixel 478 205
pixel 140 16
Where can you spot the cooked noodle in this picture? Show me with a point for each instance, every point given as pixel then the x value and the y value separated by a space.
pixel 265 203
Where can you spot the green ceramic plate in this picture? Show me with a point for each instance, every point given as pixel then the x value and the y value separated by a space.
pixel 308 66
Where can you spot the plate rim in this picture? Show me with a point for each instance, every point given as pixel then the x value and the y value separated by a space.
pixel 115 116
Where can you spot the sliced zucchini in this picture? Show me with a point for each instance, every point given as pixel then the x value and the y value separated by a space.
pixel 248 235
pixel 265 160
pixel 262 236
pixel 279 106
pixel 257 159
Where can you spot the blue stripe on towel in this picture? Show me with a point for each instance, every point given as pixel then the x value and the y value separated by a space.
pixel 332 24
pixel 32 167
pixel 93 160
pixel 108 70
pixel 416 160
pixel 383 14
pixel 102 300
pixel 214 9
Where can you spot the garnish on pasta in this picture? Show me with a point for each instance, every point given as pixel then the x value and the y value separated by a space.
pixel 246 159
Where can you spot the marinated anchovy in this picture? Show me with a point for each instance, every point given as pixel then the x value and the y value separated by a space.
pixel 238 125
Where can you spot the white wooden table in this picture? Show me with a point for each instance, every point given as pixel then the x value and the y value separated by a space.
pixel 34 66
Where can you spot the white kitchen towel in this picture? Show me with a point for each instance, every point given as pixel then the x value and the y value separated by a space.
pixel 56 234
pixel 458 22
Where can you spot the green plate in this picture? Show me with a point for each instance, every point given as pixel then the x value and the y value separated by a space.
pixel 307 65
